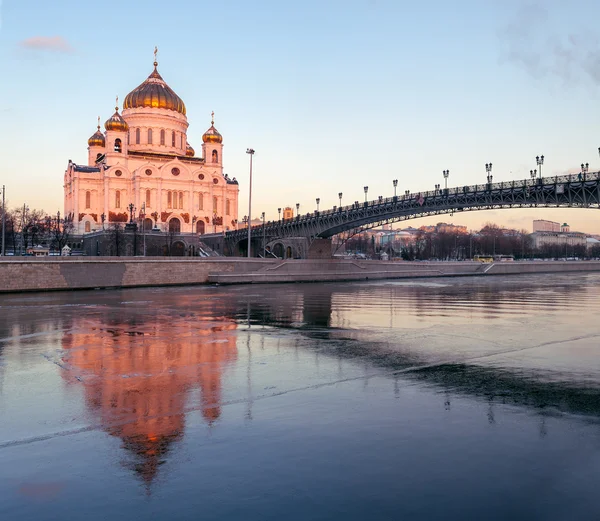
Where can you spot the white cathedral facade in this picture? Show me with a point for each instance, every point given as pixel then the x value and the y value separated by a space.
pixel 143 166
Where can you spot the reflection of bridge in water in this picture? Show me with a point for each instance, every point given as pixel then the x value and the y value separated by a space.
pixel 313 314
pixel 568 191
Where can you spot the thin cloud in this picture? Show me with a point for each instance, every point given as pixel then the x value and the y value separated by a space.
pixel 46 43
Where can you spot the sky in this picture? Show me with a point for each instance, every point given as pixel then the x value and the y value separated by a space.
pixel 333 95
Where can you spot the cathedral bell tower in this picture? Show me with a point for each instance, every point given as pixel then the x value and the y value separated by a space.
pixel 117 133
pixel 96 146
pixel 212 146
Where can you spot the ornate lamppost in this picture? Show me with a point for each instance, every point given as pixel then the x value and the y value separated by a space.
pixel 395 183
pixel 584 169
pixel 366 189
pixel 131 207
pixel 540 161
pixel 446 173
pixel 297 210
pixel 318 200
pixel 533 174
pixel 488 169
pixel 437 188
pixel 340 194
pixel 279 212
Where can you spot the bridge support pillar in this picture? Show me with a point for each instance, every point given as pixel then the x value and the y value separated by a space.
pixel 320 249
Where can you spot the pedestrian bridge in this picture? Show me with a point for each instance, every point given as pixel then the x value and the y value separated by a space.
pixel 567 191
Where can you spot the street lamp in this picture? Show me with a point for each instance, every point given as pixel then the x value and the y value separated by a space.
pixel 533 174
pixel 540 161
pixel 279 212
pixel 318 199
pixel 446 173
pixel 366 189
pixel 131 207
pixel 251 152
pixel 340 194
pixel 2 252
pixel 437 188
pixel 406 192
pixel 263 241
pixel 488 169
pixel 585 168
pixel 395 183
pixel 297 210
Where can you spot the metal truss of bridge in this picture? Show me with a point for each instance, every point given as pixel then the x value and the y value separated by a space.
pixel 570 191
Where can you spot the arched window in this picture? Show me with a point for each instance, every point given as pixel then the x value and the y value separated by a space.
pixel 162 137
pixel 147 198
pixel 137 136
pixel 88 199
pixel 117 199
pixel 215 206
pixel 118 146
pixel 200 201
pixel 181 200
pixel 200 226
pixel 175 225
pixel 215 156
pixel 149 136
pixel 173 138
pixel 88 226
pixel 169 200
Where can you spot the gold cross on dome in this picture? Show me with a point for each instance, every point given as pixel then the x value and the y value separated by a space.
pixel 117 101
pixel 212 117
pixel 155 55
pixel 98 122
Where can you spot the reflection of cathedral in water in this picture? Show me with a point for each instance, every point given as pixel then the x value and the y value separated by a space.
pixel 138 378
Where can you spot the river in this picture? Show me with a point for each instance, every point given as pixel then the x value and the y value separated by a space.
pixel 453 399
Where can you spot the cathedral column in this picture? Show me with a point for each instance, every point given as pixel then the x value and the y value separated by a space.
pixel 76 202
pixel 106 195
pixel 191 205
pixel 159 200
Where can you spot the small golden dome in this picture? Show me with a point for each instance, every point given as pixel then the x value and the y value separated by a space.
pixel 154 93
pixel 189 151
pixel 116 121
pixel 97 139
pixel 212 134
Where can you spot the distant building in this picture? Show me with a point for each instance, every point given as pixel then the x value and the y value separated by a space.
pixel 540 225
pixel 288 213
pixel 572 239
pixel 565 228
pixel 444 228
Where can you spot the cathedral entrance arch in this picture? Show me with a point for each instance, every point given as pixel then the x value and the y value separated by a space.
pixel 175 225
pixel 200 227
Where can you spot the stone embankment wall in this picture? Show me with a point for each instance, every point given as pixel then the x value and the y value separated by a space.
pixel 44 274
pixel 69 273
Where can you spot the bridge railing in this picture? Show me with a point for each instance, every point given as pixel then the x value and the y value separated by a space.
pixel 440 193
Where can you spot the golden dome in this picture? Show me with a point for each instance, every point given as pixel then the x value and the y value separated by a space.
pixel 189 151
pixel 154 93
pixel 116 121
pixel 212 134
pixel 97 139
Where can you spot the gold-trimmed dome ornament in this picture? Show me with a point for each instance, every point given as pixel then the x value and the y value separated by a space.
pixel 116 121
pixel 189 150
pixel 212 134
pixel 97 138
pixel 154 93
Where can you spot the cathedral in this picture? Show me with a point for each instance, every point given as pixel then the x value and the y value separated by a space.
pixel 142 169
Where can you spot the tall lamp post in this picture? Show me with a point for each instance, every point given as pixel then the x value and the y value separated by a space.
pixel 488 169
pixel 366 189
pixel 446 173
pixel 297 210
pixel 533 174
pixel 318 200
pixel 251 152
pixel 395 183
pixel 340 194
pixel 143 216
pixel 279 212
pixel 263 241
pixel 4 218
pixel 585 168
pixel 540 161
